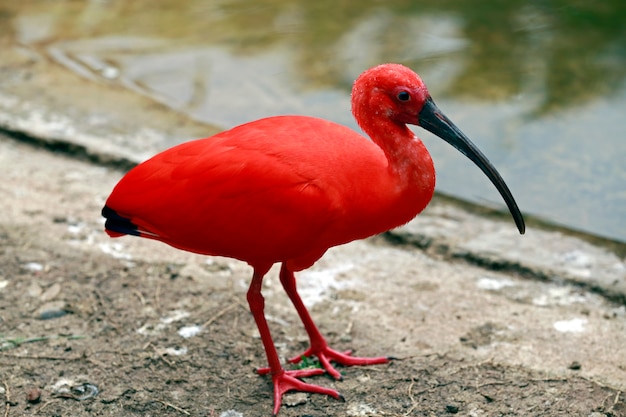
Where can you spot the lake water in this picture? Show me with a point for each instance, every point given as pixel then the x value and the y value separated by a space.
pixel 538 85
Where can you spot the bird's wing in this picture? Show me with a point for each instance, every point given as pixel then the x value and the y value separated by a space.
pixel 262 190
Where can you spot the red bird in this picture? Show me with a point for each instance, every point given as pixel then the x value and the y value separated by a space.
pixel 287 188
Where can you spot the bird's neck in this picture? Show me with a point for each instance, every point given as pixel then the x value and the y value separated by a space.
pixel 411 173
pixel 408 159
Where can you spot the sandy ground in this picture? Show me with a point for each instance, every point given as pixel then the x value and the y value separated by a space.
pixel 81 312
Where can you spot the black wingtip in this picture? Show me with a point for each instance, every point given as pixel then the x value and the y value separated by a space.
pixel 118 225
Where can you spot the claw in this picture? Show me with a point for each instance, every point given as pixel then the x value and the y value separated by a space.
pixel 286 381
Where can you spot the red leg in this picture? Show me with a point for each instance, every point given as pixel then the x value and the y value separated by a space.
pixel 319 346
pixel 283 380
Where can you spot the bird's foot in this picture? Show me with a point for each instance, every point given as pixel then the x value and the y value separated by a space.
pixel 285 381
pixel 326 354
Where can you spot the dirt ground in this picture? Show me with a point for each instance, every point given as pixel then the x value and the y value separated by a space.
pixel 91 326
pixel 90 340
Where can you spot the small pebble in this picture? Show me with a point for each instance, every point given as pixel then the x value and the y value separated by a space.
pixel 65 388
pixel 231 413
pixel 189 331
pixel 575 366
pixel 34 290
pixel 51 310
pixel 453 409
pixel 50 293
pixel 292 400
pixel 33 395
pixel 33 266
pixel 84 391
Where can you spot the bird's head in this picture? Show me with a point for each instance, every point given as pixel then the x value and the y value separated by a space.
pixel 391 90
pixel 394 93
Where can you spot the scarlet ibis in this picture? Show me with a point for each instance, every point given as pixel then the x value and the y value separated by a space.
pixel 286 188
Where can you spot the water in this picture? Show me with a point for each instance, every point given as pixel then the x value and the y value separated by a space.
pixel 539 86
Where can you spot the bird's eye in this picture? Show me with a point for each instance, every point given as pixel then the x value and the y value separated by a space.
pixel 404 96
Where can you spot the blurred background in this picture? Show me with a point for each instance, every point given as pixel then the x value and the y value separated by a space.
pixel 539 86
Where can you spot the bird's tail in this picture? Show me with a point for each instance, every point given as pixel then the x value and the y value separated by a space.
pixel 117 225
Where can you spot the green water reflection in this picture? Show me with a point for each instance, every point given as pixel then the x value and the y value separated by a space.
pixel 580 45
pixel 558 66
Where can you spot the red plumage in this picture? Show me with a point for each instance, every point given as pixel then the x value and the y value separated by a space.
pixel 278 189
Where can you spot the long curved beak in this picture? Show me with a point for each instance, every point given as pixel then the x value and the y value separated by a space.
pixel 433 120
